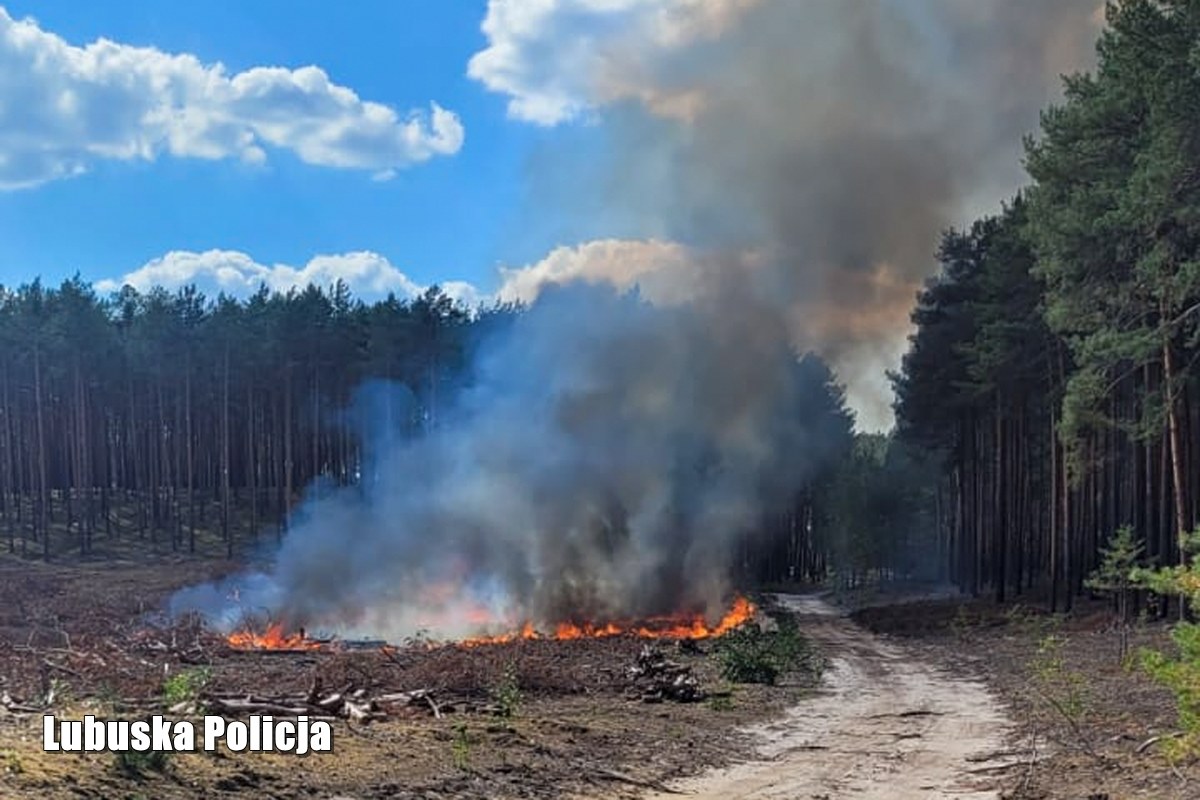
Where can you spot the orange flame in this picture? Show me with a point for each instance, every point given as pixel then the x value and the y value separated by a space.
pixel 678 626
pixel 669 627
pixel 272 639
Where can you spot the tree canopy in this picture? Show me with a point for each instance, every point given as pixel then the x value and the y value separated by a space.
pixel 1053 363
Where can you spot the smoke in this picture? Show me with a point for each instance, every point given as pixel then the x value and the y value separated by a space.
pixel 835 138
pixel 599 465
pixel 803 157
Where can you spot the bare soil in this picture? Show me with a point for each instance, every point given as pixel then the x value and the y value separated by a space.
pixel 1099 751
pixel 83 631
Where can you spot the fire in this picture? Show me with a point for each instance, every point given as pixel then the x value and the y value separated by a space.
pixel 668 627
pixel 273 638
pixel 678 626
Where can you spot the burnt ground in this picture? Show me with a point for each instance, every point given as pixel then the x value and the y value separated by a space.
pixel 80 637
pixel 1093 751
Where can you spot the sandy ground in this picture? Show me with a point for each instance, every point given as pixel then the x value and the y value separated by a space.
pixel 1102 755
pixel 887 725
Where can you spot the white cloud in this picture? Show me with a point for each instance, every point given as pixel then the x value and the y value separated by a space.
pixel 64 107
pixel 661 270
pixel 466 293
pixel 556 59
pixel 369 275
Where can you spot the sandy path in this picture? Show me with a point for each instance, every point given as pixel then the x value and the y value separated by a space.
pixel 886 726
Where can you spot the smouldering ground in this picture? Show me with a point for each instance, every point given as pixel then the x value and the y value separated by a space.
pixel 580 729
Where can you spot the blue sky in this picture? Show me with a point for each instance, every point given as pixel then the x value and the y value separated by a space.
pixel 121 214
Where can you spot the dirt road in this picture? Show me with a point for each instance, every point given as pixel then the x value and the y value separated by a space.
pixel 886 726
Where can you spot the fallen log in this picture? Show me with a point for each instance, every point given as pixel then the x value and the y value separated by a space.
pixel 1153 740
pixel 251 706
pixel 61 668
pixel 16 707
pixel 403 698
pixel 362 713
pixel 332 703
pixel 183 707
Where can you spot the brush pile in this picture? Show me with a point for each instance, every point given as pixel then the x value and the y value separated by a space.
pixel 356 705
pixel 656 678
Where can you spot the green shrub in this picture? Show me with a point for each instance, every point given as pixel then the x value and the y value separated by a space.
pixel 507 692
pixel 1180 671
pixel 1063 689
pixel 135 764
pixel 11 763
pixel 721 702
pixel 186 686
pixel 1115 577
pixel 1181 674
pixel 461 747
pixel 751 655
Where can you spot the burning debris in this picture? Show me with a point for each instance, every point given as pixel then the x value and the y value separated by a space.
pixel 683 627
pixel 653 678
pixel 273 638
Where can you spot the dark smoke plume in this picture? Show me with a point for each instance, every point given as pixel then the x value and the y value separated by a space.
pixel 836 138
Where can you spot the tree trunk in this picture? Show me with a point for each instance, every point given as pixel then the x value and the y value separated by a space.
pixel 1176 444
pixel 42 519
pixel 189 455
pixel 225 457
